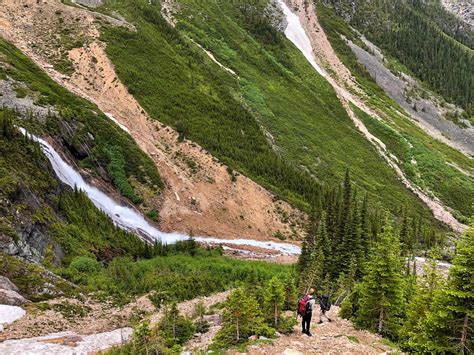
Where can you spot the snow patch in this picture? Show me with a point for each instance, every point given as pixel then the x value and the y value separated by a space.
pixel 9 314
pixel 66 343
pixel 295 33
pixel 109 115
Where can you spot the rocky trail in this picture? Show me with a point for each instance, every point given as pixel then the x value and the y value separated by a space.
pixel 337 337
pixel 48 331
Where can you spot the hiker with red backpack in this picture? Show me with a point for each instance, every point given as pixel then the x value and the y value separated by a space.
pixel 305 310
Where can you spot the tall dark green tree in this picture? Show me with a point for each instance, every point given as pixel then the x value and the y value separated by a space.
pixel 449 324
pixel 381 301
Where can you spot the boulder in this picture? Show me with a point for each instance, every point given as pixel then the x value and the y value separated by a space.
pixel 6 284
pixel 11 298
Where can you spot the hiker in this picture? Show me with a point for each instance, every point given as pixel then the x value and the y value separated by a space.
pixel 325 306
pixel 305 310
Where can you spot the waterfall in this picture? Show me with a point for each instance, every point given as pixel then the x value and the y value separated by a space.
pixel 130 219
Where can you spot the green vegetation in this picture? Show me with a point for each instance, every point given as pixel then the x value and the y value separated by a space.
pixel 93 139
pixel 381 301
pixel 402 137
pixel 180 273
pixel 423 313
pixel 447 327
pixel 66 220
pixel 173 78
pixel 449 184
pixel 33 281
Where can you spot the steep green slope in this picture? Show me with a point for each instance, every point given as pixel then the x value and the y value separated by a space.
pixel 93 139
pixel 44 220
pixel 277 89
pixel 429 163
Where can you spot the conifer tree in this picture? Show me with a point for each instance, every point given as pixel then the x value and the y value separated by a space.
pixel 405 238
pixel 241 318
pixel 324 245
pixel 449 325
pixel 421 302
pixel 274 300
pixel 381 292
pixel 291 295
pixel 364 227
pixel 344 220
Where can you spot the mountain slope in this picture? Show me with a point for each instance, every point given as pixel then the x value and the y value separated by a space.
pixel 403 135
pixel 266 65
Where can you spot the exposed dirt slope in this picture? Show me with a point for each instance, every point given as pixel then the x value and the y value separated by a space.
pixel 203 200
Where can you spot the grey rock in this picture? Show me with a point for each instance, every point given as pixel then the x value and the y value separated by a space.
pixel 11 298
pixel 6 284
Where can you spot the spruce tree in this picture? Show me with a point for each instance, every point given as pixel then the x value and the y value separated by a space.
pixel 342 229
pixel 291 295
pixel 421 302
pixel 241 318
pixel 364 227
pixel 274 300
pixel 381 294
pixel 449 325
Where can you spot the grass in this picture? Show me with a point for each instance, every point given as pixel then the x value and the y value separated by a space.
pixel 278 92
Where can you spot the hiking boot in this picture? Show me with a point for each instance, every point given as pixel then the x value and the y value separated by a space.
pixel 309 334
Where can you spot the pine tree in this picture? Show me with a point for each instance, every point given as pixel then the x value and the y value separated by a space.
pixel 241 318
pixel 421 302
pixel 364 228
pixel 291 295
pixel 342 239
pixel 274 300
pixel 174 328
pixel 381 295
pixel 449 327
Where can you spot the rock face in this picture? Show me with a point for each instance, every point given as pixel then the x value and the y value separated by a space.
pixel 9 293
pixel 6 284
pixel 11 298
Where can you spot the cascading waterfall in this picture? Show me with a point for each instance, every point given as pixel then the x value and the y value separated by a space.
pixel 297 35
pixel 130 219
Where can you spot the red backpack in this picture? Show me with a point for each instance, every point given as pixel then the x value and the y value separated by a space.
pixel 302 305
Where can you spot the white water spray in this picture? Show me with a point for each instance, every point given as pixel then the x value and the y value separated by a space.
pixel 297 35
pixel 130 219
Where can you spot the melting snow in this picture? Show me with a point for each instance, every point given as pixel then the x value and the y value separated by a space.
pixel 296 34
pixel 109 115
pixel 9 314
pixel 66 343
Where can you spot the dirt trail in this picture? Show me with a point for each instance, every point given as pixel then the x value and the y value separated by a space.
pixel 202 200
pixel 337 337
pixel 343 83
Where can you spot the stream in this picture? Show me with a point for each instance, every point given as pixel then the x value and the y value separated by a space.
pixel 130 219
